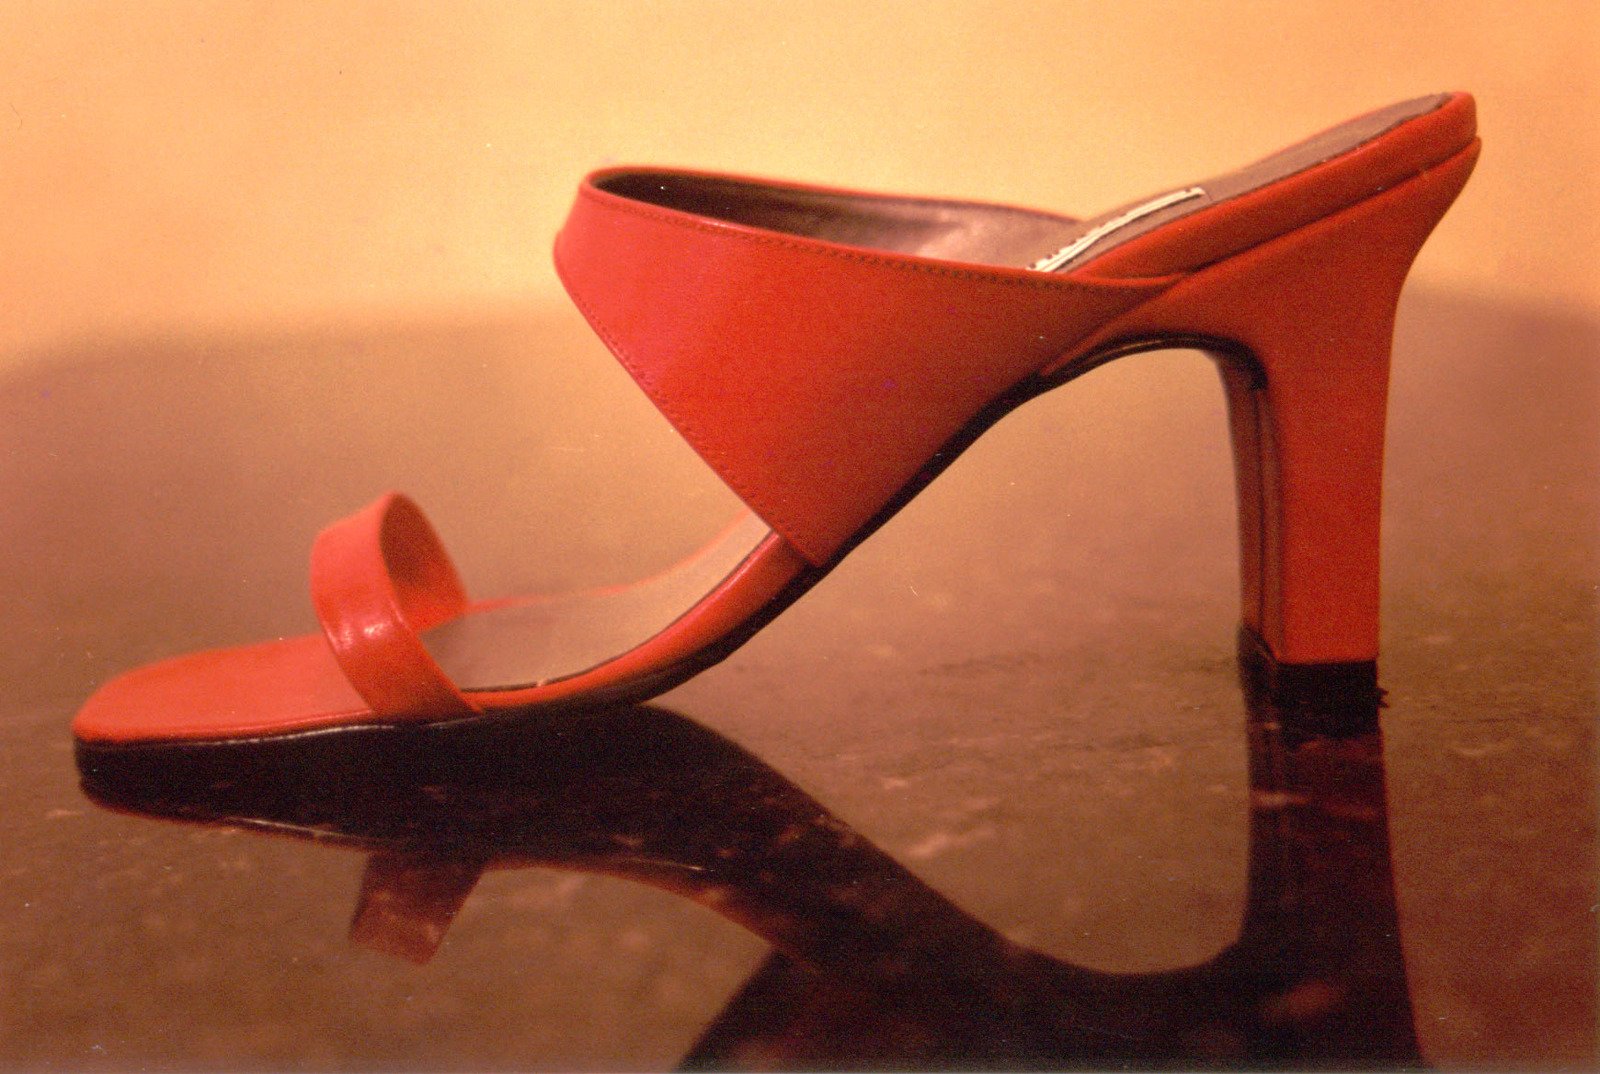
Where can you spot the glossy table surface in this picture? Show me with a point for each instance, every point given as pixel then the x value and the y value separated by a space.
pixel 992 795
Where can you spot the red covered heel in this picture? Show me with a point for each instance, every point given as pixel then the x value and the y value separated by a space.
pixel 1302 327
pixel 1308 433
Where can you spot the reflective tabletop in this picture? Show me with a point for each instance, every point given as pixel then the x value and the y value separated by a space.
pixel 1004 791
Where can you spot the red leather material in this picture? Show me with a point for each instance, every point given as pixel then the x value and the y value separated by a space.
pixel 1315 308
pixel 378 579
pixel 295 684
pixel 1237 224
pixel 816 379
pixel 272 688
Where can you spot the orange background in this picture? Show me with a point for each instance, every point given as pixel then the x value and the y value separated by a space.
pixel 192 164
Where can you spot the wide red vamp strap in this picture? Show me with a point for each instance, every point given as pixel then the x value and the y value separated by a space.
pixel 379 578
pixel 815 378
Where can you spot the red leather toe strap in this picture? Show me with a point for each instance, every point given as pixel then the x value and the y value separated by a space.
pixel 378 579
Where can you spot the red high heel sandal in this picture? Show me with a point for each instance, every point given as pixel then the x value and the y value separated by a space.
pixel 828 353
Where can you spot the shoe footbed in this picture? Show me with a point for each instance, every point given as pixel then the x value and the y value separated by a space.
pixel 534 641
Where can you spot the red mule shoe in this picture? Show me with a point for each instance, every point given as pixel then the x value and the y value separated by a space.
pixel 828 353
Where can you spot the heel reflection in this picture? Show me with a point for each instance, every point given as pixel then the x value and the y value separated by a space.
pixel 870 966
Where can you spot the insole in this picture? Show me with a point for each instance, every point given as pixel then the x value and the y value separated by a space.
pixel 977 233
pixel 534 641
pixel 543 638
pixel 1090 238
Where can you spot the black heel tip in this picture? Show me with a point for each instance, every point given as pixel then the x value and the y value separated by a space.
pixel 1311 700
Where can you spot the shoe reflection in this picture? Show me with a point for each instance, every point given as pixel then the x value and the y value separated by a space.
pixel 871 968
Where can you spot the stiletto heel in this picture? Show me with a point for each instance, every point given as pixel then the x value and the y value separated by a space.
pixel 828 353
